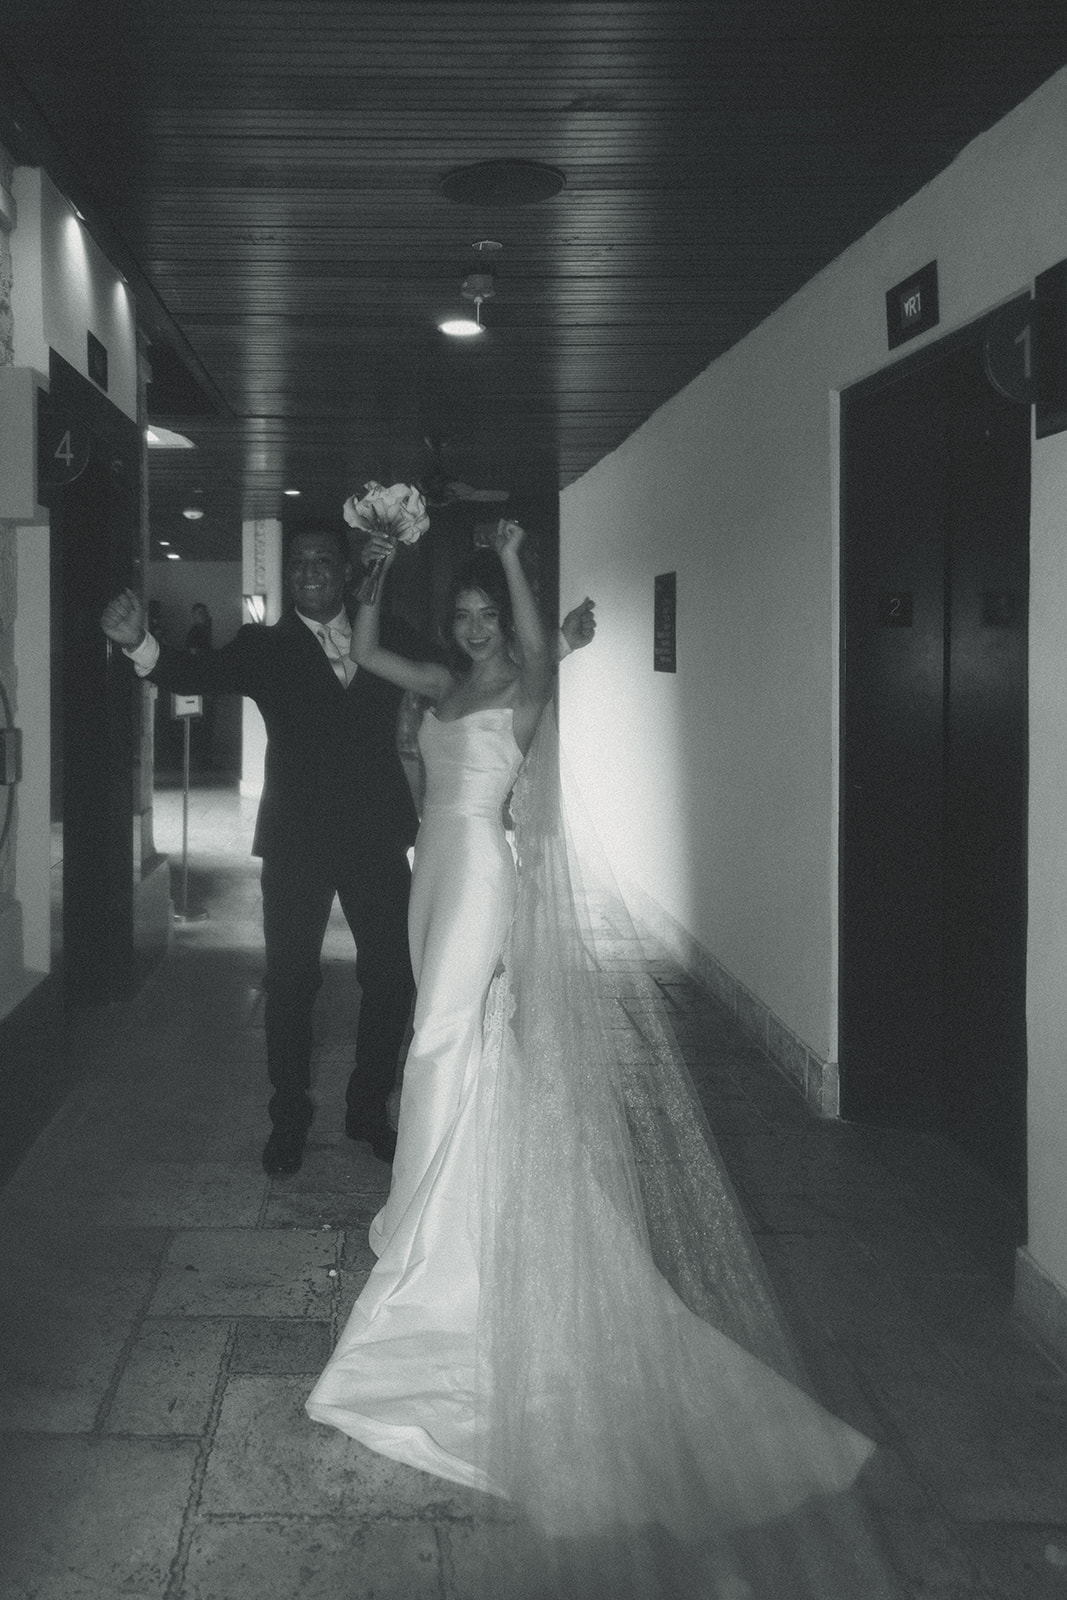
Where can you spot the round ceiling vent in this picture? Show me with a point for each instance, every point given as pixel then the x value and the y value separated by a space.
pixel 502 183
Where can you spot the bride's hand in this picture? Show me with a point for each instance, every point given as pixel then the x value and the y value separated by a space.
pixel 377 547
pixel 509 535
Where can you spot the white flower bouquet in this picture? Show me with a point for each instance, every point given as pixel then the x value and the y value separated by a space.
pixel 399 512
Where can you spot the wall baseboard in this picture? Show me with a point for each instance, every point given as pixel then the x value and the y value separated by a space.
pixel 816 1079
pixel 1041 1306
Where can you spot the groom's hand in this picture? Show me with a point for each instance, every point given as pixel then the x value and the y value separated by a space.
pixel 123 620
pixel 579 625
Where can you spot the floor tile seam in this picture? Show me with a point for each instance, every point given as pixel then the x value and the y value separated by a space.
pixel 885 1238
pixel 155 1277
pixel 136 1436
pixel 890 1437
pixel 93 1437
pixel 340 1276
pixel 446 1567
pixel 195 1227
pixel 935 1375
pixel 205 1442
pixel 343 1514
pixel 264 1204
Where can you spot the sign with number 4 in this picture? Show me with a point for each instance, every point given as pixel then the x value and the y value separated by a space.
pixel 62 446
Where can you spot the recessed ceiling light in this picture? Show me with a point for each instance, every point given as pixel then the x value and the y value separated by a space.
pixel 461 327
pixel 293 492
pixel 164 544
pixel 194 513
pixel 172 555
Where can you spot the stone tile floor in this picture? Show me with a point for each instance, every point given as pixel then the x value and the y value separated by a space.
pixel 166 1307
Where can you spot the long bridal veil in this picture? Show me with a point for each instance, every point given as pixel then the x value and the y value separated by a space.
pixel 648 1419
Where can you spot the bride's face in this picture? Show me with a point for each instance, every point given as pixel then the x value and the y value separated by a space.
pixel 476 625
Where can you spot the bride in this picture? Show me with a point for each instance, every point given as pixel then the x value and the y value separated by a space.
pixel 567 1310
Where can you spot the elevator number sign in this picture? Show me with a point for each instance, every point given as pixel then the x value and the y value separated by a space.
pixel 62 446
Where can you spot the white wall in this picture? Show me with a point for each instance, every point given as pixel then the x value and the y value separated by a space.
pixel 64 287
pixel 716 789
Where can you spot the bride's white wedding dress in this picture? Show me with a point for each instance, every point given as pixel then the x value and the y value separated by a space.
pixel 402 1378
pixel 518 1332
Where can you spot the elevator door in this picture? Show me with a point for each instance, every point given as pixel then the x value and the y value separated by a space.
pixel 94 534
pixel 935 547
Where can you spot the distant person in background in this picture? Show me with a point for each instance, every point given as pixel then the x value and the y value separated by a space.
pixel 198 639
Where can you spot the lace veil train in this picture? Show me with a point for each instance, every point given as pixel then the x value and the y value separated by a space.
pixel 649 1422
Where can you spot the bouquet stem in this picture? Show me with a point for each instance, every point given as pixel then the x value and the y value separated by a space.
pixel 367 593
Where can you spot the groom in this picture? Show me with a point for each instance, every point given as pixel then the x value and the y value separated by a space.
pixel 336 817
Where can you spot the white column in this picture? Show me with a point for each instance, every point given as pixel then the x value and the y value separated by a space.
pixel 261 578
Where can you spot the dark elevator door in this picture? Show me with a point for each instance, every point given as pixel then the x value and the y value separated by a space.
pixel 94 536
pixel 935 567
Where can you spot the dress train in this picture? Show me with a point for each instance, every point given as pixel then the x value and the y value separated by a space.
pixel 567 1309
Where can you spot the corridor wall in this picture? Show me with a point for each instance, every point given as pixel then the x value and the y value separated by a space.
pixel 716 787
pixel 56 286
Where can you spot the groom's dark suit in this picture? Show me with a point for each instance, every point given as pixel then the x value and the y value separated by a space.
pixel 336 816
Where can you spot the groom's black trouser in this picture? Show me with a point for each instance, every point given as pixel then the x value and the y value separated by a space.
pixel 297 900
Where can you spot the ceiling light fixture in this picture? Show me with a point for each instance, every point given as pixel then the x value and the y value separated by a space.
pixel 502 183
pixel 476 286
pixel 462 327
pixel 292 492
pixel 166 439
pixel 194 513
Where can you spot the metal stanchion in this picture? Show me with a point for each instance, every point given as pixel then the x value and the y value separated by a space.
pixel 186 707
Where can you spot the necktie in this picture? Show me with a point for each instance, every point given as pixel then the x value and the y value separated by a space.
pixel 339 659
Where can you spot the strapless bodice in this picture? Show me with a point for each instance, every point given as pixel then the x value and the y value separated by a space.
pixel 471 762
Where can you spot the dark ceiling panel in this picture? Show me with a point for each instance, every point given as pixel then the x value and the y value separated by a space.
pixel 267 173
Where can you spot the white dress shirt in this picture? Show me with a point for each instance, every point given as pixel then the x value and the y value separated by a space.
pixel 335 637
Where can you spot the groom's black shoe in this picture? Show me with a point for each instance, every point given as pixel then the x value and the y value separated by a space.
pixel 375 1128
pixel 283 1152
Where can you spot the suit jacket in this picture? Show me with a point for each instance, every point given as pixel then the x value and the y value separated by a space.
pixel 334 786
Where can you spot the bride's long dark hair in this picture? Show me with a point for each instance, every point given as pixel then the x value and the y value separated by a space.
pixel 484 571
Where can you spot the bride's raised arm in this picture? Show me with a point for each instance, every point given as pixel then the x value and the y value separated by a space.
pixel 427 678
pixel 536 648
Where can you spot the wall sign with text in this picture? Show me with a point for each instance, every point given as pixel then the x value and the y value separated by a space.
pixel 911 307
pixel 665 616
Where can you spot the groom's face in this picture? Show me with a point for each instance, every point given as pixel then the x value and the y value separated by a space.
pixel 316 573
